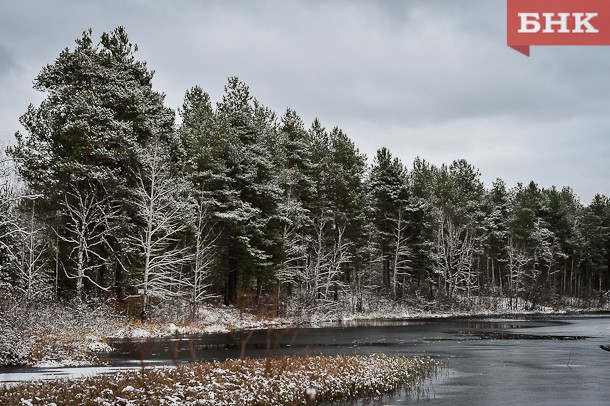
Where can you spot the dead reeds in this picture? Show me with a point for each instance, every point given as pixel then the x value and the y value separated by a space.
pixel 272 381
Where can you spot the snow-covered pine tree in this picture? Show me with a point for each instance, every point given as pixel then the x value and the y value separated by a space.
pixel 251 237
pixel 421 224
pixel 459 202
pixel 338 213
pixel 570 235
pixel 495 235
pixel 321 241
pixel 387 185
pixel 99 110
pixel 560 218
pixel 525 218
pixel 348 197
pixel 204 163
pixel 595 230
pixel 293 161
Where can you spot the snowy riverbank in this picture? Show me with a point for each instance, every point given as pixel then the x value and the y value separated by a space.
pixel 52 335
pixel 219 319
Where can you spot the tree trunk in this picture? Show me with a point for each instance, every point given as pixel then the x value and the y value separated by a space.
pixel 230 295
pixel 385 261
pixel 118 281
pixel 144 312
pixel 259 290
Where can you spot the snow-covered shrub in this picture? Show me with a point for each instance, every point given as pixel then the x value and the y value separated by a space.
pixel 14 347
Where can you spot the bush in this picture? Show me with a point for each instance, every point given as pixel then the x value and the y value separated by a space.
pixel 14 345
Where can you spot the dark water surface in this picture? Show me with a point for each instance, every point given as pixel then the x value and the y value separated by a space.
pixel 488 361
pixel 528 371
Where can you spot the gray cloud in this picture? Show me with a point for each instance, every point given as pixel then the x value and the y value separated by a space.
pixel 7 63
pixel 433 79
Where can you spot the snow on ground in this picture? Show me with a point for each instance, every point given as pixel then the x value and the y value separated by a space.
pixel 210 319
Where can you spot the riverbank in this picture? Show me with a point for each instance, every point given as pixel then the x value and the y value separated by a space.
pixel 221 319
pixel 276 381
pixel 54 335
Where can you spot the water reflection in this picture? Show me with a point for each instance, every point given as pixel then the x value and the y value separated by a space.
pixel 350 337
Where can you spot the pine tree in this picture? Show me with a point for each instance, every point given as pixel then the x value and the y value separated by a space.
pixel 530 236
pixel 495 234
pixel 388 188
pixel 99 110
pixel 421 227
pixel 251 235
pixel 459 202
pixel 560 213
pixel 596 233
pixel 338 214
pixel 292 155
pixel 204 165
pixel 570 237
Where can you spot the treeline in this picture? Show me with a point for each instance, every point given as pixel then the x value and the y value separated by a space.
pixel 108 195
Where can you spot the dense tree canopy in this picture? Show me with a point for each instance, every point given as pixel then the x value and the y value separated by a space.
pixel 235 204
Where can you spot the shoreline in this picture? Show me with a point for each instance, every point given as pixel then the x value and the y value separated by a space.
pixel 78 344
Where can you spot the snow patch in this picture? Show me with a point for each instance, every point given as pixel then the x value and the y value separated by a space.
pixel 128 389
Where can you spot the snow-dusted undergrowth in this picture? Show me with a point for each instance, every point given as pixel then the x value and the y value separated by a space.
pixel 14 347
pixel 278 381
pixel 51 335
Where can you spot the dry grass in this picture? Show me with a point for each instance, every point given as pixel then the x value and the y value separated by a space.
pixel 51 334
pixel 272 381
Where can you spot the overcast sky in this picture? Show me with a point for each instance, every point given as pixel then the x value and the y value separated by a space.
pixel 424 78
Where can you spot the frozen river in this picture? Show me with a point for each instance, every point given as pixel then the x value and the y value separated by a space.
pixel 489 361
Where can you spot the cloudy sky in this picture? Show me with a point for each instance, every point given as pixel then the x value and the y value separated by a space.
pixel 425 78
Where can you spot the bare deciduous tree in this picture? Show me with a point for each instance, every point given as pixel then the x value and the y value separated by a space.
pixel 204 258
pixel 22 240
pixel 518 261
pixel 401 263
pixel 161 213
pixel 292 272
pixel 89 217
pixel 455 249
pixel 325 265
pixel 10 230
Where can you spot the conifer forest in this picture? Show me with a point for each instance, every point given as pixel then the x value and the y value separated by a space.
pixel 109 193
